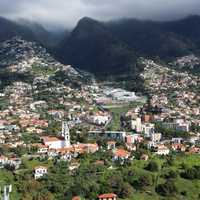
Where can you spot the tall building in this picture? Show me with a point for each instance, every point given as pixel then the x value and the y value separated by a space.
pixel 65 133
pixel 59 142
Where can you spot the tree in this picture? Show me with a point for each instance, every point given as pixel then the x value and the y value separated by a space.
pixel 169 161
pixel 119 186
pixel 171 174
pixel 126 190
pixel 167 189
pixel 191 173
pixel 145 180
pixel 152 166
pixel 20 151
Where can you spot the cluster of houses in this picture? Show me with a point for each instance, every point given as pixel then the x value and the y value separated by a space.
pixel 187 61
pixel 61 147
pixel 10 162
pixel 177 109
pixel 171 90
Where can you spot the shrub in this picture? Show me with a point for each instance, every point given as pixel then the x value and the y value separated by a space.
pixel 167 189
pixel 145 180
pixel 152 166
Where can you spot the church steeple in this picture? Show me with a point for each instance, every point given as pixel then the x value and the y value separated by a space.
pixel 66 133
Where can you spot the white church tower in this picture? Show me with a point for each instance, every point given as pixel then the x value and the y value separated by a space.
pixel 65 133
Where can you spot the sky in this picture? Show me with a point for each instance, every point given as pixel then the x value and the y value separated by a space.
pixel 66 13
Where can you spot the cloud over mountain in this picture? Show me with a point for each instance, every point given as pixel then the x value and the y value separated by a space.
pixel 62 13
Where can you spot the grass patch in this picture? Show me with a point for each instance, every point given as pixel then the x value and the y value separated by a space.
pixel 30 164
pixel 41 70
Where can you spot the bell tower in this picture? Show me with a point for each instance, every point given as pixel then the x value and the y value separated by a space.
pixel 66 133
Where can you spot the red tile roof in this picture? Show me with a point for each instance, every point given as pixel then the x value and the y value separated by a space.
pixel 121 153
pixel 50 139
pixel 109 195
pixel 40 167
pixel 39 145
pixel 76 198
pixel 111 142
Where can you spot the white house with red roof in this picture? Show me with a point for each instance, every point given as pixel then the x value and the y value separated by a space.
pixel 161 149
pixel 120 155
pixel 178 147
pixel 133 138
pixel 109 196
pixel 54 142
pixel 39 172
pixel 58 142
pixel 41 148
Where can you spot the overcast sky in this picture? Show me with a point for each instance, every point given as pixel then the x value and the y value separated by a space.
pixel 66 13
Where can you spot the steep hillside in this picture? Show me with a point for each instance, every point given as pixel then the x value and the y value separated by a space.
pixel 91 46
pixel 49 39
pixel 113 47
pixel 30 31
pixel 164 39
pixel 26 61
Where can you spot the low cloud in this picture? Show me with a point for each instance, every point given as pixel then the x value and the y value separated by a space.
pixel 66 13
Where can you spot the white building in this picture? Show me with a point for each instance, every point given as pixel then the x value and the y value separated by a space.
pixel 59 142
pixel 177 140
pixel 136 124
pixel 39 172
pixel 148 129
pixel 67 156
pixel 54 142
pixel 178 124
pixel 109 135
pixel 133 138
pixel 120 94
pixel 162 150
pixel 99 119
pixel 41 149
pixel 66 134
pixel 156 137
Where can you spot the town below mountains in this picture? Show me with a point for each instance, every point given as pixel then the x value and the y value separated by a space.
pixel 109 110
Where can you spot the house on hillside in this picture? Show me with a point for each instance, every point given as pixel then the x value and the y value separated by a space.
pixel 76 198
pixel 120 155
pixel 39 172
pixel 162 150
pixel 109 196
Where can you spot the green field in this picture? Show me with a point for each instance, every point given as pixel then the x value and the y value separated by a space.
pixel 120 110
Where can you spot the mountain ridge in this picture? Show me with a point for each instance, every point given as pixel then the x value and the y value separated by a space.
pixel 112 48
pixel 98 46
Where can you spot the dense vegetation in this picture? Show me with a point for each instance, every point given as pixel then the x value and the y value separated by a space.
pixel 168 178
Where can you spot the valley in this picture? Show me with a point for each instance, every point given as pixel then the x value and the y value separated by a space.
pixel 100 115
